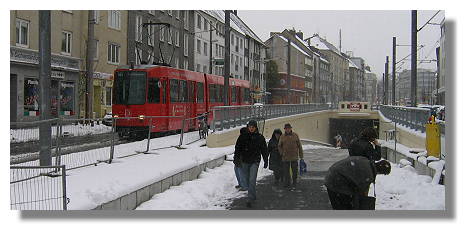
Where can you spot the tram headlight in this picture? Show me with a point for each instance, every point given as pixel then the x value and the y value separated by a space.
pixel 141 117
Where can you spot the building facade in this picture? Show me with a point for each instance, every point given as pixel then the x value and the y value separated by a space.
pixel 440 91
pixel 69 36
pixel 66 65
pixel 425 86
pixel 339 67
pixel 371 87
pixel 166 40
pixel 360 87
pixel 298 87
pixel 110 32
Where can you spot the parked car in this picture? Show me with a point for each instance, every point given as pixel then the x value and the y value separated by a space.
pixel 108 119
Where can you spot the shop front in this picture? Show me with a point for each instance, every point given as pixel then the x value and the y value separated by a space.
pixel 24 86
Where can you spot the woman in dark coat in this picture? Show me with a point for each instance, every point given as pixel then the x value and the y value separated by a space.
pixel 275 161
pixel 366 145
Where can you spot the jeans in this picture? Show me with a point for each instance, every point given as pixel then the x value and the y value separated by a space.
pixel 240 178
pixel 288 165
pixel 249 174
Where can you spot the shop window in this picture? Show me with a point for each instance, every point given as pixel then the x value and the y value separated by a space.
pixel 31 97
pixel 67 100
pixel 108 96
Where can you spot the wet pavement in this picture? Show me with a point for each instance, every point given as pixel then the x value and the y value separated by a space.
pixel 310 194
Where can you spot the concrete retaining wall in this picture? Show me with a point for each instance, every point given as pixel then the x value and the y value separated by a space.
pixel 313 126
pixel 134 199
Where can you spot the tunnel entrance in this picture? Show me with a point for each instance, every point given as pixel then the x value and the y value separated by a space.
pixel 349 129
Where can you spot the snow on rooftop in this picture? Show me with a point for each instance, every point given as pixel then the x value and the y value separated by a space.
pixel 352 65
pixel 220 16
pixel 294 45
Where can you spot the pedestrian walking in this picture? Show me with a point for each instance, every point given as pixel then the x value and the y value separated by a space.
pixel 275 161
pixel 366 145
pixel 339 140
pixel 291 150
pixel 252 146
pixel 237 160
pixel 348 182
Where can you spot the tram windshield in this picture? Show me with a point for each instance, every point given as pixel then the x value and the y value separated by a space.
pixel 129 87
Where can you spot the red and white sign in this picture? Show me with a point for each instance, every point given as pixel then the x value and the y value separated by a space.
pixel 355 107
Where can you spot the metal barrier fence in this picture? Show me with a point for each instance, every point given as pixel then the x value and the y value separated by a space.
pixel 225 117
pixel 83 142
pixel 38 188
pixel 411 117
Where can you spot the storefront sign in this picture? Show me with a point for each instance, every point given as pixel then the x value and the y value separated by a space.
pixel 58 74
pixel 32 57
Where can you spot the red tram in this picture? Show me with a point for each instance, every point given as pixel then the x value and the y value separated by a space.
pixel 152 90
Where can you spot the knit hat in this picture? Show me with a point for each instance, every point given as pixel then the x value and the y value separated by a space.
pixel 252 123
pixel 287 125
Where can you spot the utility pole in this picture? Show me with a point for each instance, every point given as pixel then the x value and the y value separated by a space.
pixel 210 47
pixel 45 158
pixel 386 81
pixel 383 88
pixel 414 56
pixel 90 52
pixel 289 99
pixel 438 57
pixel 227 55
pixel 394 58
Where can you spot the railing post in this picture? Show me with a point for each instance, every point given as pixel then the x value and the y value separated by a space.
pixel 149 133
pixel 113 132
pixel 64 188
pixel 182 133
pixel 58 136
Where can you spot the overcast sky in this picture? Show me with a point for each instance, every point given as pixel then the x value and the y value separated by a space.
pixel 367 33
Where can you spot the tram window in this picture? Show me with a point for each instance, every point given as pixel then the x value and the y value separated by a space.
pixel 365 106
pixel 183 91
pixel 234 94
pixel 191 92
pixel 163 91
pixel 221 93
pixel 153 95
pixel 200 92
pixel 212 93
pixel 246 93
pixel 173 90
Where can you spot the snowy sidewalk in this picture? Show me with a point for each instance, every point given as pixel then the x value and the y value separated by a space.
pixel 90 187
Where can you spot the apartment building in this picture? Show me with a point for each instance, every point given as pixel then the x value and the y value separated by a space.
pixel 66 64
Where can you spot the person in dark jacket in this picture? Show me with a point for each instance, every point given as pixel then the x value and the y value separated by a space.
pixel 366 145
pixel 275 161
pixel 237 160
pixel 252 146
pixel 350 178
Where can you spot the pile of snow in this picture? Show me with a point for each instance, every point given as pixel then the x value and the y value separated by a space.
pixel 403 189
pixel 213 190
